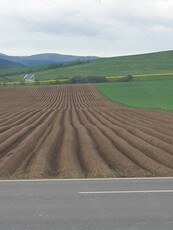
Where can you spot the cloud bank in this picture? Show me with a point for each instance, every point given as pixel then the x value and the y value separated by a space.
pixel 92 27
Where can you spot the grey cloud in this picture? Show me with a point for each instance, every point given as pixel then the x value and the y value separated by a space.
pixel 96 27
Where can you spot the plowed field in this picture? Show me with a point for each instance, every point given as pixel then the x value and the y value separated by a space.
pixel 74 131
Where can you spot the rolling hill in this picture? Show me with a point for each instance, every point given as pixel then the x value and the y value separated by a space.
pixel 45 59
pixel 159 62
pixel 6 63
pixel 152 63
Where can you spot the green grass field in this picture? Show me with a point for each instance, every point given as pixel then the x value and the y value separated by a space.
pixel 154 94
pixel 117 66
pixel 153 63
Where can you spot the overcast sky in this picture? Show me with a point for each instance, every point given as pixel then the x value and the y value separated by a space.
pixel 85 27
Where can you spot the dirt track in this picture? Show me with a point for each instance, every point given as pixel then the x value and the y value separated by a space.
pixel 73 131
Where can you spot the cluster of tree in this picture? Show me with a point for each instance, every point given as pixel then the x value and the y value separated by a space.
pixel 88 79
pixel 65 64
pixel 126 79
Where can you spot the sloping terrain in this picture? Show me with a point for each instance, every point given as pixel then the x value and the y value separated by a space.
pixel 74 131
pixel 6 63
pixel 45 59
pixel 152 63
pixel 142 64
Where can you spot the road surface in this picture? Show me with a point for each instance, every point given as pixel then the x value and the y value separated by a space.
pixel 113 204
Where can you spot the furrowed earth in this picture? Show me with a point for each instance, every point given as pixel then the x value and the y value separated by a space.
pixel 74 131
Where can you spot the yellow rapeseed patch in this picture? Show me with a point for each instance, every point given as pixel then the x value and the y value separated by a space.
pixel 142 75
pixel 153 75
pixel 114 77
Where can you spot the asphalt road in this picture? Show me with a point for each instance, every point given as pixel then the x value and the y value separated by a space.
pixel 126 204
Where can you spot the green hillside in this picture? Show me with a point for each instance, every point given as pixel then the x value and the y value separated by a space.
pixel 160 62
pixel 8 64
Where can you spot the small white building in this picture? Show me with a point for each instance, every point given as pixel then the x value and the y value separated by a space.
pixel 29 77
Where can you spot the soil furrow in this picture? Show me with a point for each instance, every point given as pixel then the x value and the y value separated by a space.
pixel 10 130
pixel 72 131
pixel 151 151
pixel 114 158
pixel 14 140
pixel 11 162
pixel 42 162
pixel 135 155
pixel 91 161
pixel 152 131
pixel 68 164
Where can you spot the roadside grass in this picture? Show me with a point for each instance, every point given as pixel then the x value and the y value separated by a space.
pixel 19 175
pixel 103 174
pixel 155 93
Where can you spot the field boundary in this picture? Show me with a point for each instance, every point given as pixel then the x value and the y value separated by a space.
pixel 65 80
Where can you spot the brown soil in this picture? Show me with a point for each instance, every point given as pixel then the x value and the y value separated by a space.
pixel 74 131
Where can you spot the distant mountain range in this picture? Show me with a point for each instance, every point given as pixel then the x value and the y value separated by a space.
pixel 39 59
pixel 6 63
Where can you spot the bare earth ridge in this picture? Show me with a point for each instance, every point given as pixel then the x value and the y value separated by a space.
pixel 74 131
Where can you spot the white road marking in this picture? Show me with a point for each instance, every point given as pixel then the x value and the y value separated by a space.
pixel 127 192
pixel 88 179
